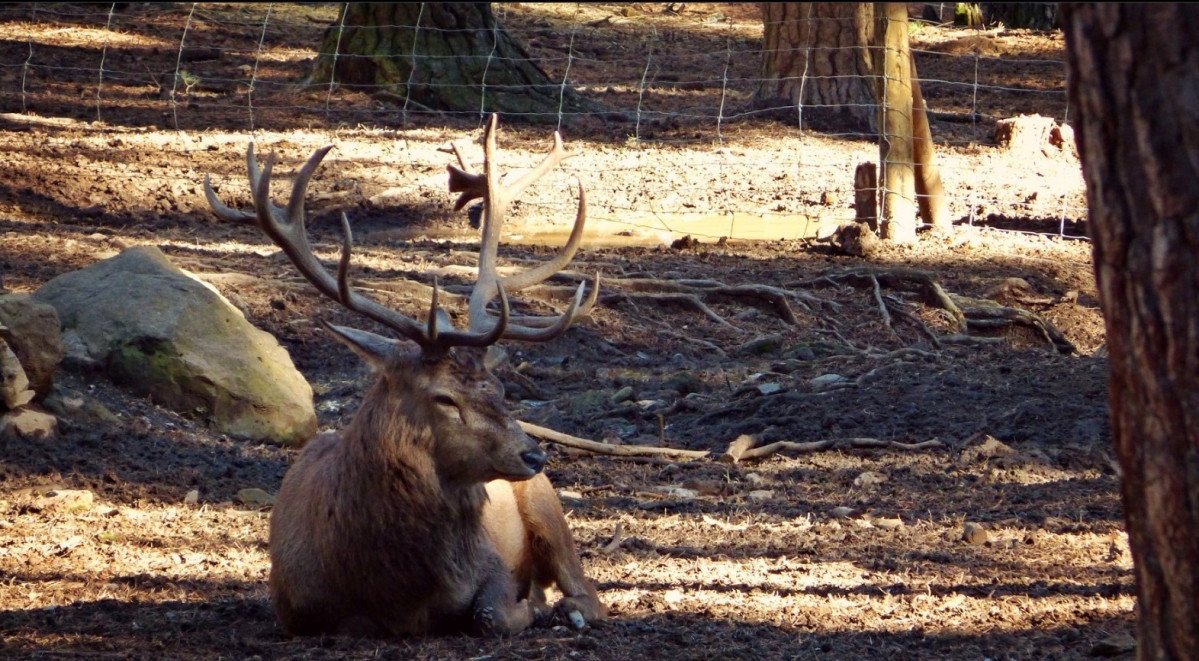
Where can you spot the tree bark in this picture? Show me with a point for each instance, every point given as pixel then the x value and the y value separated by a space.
pixel 816 58
pixel 1133 76
pixel 448 56
pixel 896 150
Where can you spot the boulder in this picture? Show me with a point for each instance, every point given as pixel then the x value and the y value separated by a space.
pixel 30 328
pixel 28 422
pixel 159 331
pixel 14 384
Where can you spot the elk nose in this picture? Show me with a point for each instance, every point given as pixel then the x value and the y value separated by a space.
pixel 534 459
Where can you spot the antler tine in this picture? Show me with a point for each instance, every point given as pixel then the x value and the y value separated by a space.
pixel 497 198
pixel 286 228
pixel 559 326
pixel 543 271
pixel 537 323
pixel 223 211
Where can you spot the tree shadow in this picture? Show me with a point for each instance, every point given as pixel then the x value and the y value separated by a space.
pixel 236 621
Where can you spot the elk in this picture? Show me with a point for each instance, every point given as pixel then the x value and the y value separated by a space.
pixel 429 512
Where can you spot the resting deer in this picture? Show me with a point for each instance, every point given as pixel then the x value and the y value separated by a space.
pixel 429 512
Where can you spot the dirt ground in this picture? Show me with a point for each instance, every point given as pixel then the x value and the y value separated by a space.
pixel 870 548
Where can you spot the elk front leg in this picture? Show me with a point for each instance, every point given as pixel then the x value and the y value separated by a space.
pixel 554 557
pixel 497 611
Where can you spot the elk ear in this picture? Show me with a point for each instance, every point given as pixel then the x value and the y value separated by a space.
pixel 375 350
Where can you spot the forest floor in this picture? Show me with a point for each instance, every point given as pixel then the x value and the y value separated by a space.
pixel 965 505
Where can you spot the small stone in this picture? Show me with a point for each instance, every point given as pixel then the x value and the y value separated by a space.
pixel 28 423
pixel 868 479
pixel 255 497
pixel 64 500
pixel 886 523
pixel 829 382
pixel 762 345
pixel 192 497
pixel 760 494
pixel 989 448
pixel 1114 645
pixel 974 534
pixel 786 366
pixel 621 395
pixel 678 492
pixel 770 388
pixel 842 512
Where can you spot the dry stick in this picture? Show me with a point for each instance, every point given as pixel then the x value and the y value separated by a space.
pixel 616 540
pixel 816 446
pixel 882 307
pixel 738 448
pixel 603 448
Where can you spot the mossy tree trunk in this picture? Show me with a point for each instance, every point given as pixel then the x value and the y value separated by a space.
pixel 816 57
pixel 1133 76
pixel 448 57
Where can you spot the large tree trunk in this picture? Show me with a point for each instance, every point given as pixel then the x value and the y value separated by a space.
pixel 1134 73
pixel 816 57
pixel 447 56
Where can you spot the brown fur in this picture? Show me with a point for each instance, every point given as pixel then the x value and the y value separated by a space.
pixel 387 527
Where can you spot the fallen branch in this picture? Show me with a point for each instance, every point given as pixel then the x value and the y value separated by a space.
pixel 882 307
pixel 606 449
pixel 828 444
pixel 616 540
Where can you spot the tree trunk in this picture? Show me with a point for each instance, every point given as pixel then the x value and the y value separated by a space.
pixel 448 56
pixel 816 58
pixel 1134 72
pixel 896 150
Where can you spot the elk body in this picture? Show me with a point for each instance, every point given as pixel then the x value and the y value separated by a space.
pixel 429 511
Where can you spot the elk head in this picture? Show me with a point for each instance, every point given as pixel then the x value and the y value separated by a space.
pixel 443 380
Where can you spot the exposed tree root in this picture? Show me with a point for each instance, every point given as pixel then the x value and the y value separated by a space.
pixel 967 313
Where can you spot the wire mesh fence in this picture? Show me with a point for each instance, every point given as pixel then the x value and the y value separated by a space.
pixel 672 86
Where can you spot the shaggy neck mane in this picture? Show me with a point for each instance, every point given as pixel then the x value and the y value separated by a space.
pixel 404 461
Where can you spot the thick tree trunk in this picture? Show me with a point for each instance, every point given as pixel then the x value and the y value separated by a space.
pixel 1134 72
pixel 447 56
pixel 896 149
pixel 815 56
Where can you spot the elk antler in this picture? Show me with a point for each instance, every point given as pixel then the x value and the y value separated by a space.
pixel 285 227
pixel 496 199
